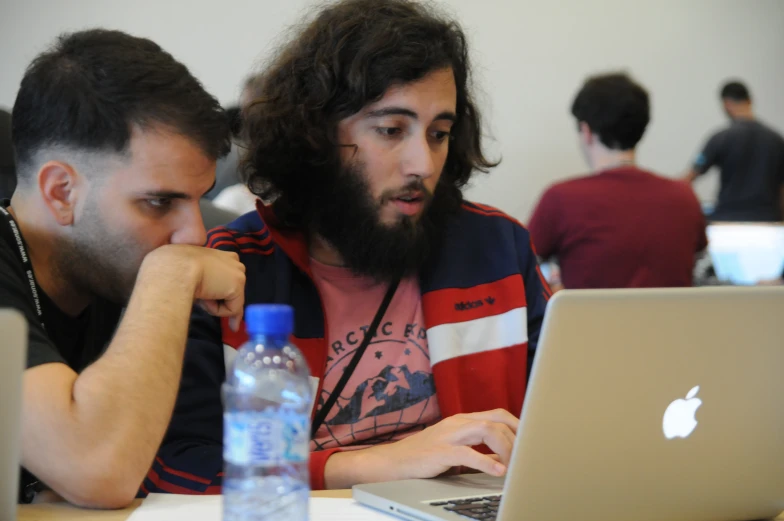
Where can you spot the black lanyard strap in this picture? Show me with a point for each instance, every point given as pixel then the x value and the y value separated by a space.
pixel 9 230
pixel 322 413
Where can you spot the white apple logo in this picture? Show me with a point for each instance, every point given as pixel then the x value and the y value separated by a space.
pixel 679 421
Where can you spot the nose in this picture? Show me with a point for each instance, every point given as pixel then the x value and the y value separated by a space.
pixel 419 159
pixel 191 229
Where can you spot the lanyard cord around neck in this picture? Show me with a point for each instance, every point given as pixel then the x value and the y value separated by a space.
pixel 9 231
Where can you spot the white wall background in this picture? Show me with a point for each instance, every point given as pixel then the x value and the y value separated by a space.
pixel 530 58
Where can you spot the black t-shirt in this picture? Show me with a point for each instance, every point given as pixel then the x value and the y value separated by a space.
pixel 7 169
pixel 76 342
pixel 751 158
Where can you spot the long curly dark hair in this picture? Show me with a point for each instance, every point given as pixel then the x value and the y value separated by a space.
pixel 343 60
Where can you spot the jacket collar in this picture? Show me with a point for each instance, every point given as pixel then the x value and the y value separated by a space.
pixel 293 242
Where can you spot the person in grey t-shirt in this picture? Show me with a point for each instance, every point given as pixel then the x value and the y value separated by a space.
pixel 750 156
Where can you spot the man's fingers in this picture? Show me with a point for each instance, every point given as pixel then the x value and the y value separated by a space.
pixel 500 439
pixel 225 308
pixel 233 255
pixel 233 306
pixel 234 309
pixel 210 306
pixel 501 442
pixel 497 436
pixel 510 434
pixel 468 457
pixel 496 416
pixel 235 322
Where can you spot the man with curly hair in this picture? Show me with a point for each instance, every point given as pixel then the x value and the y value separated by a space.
pixel 361 137
pixel 622 226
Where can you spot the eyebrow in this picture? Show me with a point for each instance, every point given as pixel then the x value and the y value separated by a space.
pixel 170 194
pixel 167 194
pixel 400 111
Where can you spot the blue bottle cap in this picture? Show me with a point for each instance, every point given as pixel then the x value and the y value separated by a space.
pixel 269 319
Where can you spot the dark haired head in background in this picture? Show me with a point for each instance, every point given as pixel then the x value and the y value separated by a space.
pixel 592 224
pixel 227 173
pixel 132 136
pixel 7 168
pixel 736 91
pixel 349 57
pixel 234 113
pixel 736 99
pixel 614 108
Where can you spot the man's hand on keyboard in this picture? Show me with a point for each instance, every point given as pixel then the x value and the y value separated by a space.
pixel 431 452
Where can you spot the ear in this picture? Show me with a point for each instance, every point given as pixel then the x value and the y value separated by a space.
pixel 60 186
pixel 585 134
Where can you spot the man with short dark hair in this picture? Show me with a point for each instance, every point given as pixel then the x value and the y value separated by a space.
pixel 116 143
pixel 362 135
pixel 621 226
pixel 750 156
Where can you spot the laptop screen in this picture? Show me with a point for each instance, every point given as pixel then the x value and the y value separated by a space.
pixel 746 253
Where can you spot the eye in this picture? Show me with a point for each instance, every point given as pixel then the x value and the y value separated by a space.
pixel 159 204
pixel 389 132
pixel 441 135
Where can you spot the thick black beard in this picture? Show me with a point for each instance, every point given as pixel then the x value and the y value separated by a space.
pixel 347 217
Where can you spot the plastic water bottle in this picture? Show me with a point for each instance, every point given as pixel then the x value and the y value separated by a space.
pixel 266 423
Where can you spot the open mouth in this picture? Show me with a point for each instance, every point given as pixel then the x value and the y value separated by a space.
pixel 410 198
pixel 410 203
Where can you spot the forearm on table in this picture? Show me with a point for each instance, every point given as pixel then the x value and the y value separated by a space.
pixel 348 468
pixel 95 440
pixel 126 398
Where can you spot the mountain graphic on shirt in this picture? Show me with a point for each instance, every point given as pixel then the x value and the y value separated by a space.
pixel 394 389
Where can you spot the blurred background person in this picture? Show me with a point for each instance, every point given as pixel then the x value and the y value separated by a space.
pixel 750 157
pixel 230 192
pixel 621 226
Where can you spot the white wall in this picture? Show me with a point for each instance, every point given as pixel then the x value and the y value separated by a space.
pixel 529 56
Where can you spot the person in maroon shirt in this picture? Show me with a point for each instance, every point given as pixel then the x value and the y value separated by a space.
pixel 621 226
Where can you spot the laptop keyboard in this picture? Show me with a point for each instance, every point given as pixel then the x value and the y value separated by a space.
pixel 483 508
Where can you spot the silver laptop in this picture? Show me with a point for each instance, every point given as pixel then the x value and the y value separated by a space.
pixel 643 405
pixel 13 339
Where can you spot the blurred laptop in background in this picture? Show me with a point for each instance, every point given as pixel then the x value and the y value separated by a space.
pixel 746 253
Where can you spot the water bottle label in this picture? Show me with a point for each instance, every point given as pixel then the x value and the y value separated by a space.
pixel 265 439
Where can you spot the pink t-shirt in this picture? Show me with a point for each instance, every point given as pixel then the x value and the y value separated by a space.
pixel 391 394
